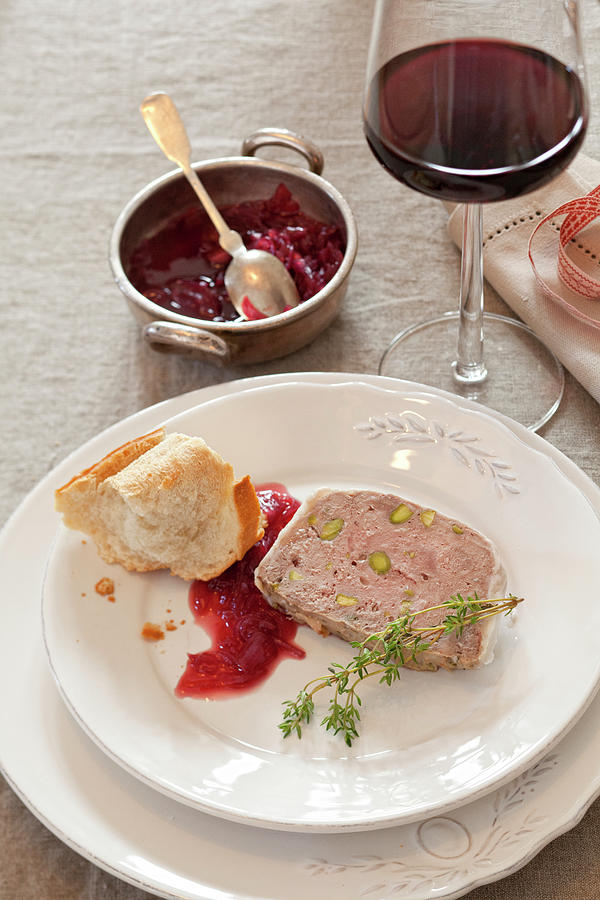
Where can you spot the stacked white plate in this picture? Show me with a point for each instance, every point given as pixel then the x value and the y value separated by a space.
pixel 456 779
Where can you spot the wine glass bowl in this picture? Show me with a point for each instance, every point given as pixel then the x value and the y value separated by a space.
pixel 473 104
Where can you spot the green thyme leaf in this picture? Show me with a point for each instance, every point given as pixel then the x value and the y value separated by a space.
pixel 383 653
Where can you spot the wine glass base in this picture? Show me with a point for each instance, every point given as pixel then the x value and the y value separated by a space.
pixel 523 379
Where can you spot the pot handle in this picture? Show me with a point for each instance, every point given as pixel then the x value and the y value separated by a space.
pixel 172 336
pixel 281 137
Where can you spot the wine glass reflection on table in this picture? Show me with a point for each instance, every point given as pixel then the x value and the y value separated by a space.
pixel 474 103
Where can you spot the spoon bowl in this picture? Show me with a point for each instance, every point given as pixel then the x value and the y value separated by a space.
pixel 257 282
pixel 256 274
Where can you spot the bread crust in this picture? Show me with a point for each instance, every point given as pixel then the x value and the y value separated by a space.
pixel 164 502
pixel 249 511
pixel 110 464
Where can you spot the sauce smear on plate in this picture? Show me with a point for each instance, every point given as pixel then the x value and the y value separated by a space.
pixel 249 637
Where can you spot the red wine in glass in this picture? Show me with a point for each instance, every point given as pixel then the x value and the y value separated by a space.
pixel 475 120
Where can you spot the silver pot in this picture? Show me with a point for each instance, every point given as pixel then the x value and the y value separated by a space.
pixel 233 180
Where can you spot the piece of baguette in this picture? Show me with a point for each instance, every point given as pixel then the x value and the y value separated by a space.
pixel 164 502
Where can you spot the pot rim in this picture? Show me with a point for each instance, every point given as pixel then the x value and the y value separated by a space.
pixel 298 312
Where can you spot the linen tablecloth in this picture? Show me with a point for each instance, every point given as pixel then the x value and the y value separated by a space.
pixel 73 149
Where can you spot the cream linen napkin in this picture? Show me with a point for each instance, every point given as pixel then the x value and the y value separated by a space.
pixel 569 326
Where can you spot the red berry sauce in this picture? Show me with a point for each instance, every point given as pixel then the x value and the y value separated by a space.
pixel 182 266
pixel 249 637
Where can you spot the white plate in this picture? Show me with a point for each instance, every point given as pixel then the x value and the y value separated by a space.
pixel 427 745
pixel 163 847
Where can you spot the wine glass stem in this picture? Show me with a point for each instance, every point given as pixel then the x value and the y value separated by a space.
pixel 469 367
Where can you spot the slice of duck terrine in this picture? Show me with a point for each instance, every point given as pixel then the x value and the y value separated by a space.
pixel 348 563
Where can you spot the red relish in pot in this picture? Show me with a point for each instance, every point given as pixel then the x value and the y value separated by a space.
pixel 182 266
pixel 249 637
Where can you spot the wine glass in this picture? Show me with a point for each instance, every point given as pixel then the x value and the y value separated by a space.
pixel 476 102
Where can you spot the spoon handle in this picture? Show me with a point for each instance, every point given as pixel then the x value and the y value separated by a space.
pixel 165 125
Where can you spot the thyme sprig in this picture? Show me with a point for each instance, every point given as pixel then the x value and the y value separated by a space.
pixel 383 653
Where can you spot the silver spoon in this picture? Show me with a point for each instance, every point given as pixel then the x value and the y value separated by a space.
pixel 254 274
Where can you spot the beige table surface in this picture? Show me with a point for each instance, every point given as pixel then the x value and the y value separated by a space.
pixel 73 149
